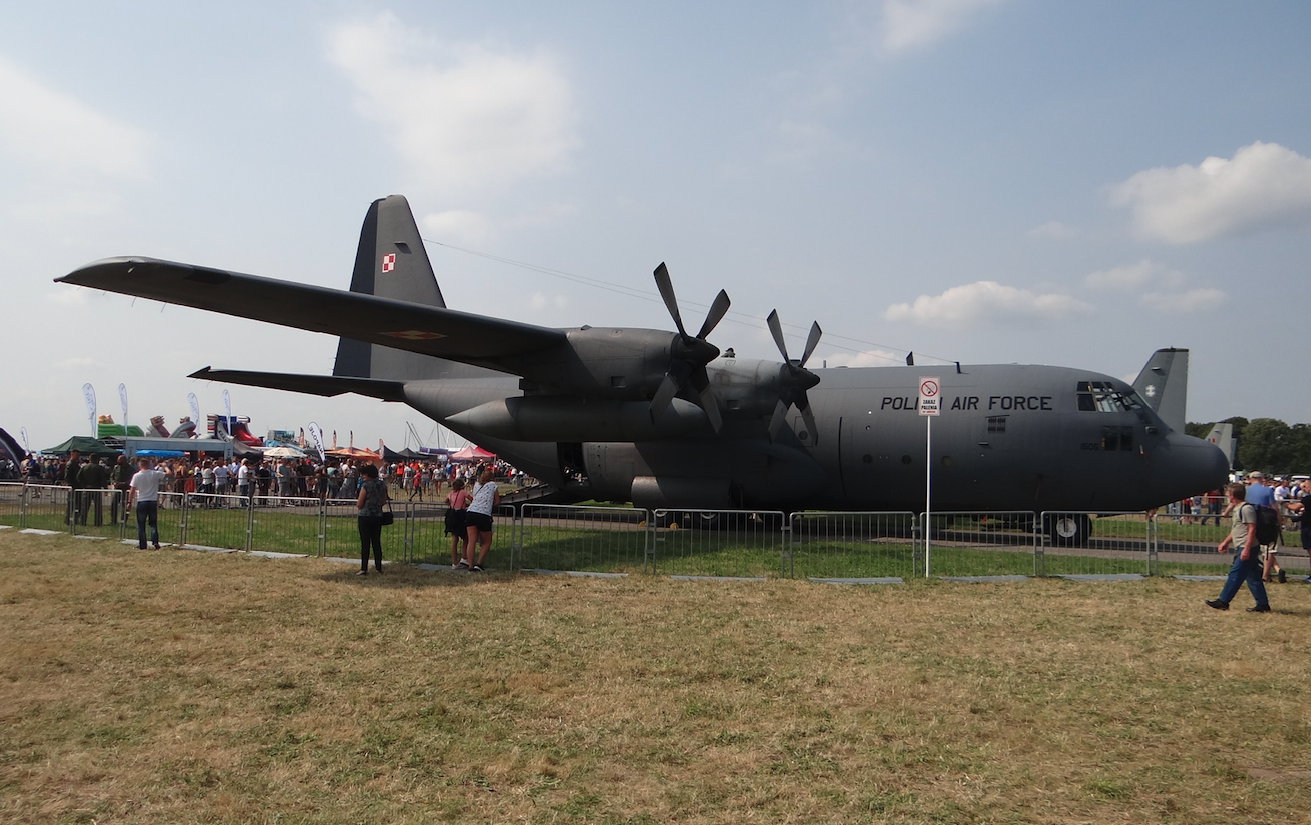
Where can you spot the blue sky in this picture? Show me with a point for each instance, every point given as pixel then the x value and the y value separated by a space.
pixel 992 181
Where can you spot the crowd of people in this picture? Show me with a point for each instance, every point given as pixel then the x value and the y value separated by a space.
pixel 1261 508
pixel 214 482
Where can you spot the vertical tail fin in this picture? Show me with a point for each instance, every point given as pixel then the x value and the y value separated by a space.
pixel 1163 384
pixel 1222 436
pixel 391 262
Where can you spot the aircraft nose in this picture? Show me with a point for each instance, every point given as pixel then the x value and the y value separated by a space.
pixel 1194 466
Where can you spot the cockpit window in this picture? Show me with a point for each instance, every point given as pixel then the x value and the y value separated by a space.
pixel 1102 396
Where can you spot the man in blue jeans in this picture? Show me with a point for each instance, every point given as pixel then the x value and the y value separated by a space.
pixel 143 489
pixel 1247 563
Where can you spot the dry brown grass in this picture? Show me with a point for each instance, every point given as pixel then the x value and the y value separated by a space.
pixel 183 687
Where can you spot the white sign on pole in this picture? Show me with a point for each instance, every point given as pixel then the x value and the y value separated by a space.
pixel 930 393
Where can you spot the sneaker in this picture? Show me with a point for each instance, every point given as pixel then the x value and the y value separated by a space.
pixel 362 572
pixel 1283 577
pixel 1260 608
pixel 477 568
pixel 465 564
pixel 1217 604
pixel 1307 580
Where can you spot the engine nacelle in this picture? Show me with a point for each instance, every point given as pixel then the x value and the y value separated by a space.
pixel 570 418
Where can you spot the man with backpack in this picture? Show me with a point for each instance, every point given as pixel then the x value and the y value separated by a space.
pixel 1269 533
pixel 1246 567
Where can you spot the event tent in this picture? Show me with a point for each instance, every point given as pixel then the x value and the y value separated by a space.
pixel 84 444
pixel 472 453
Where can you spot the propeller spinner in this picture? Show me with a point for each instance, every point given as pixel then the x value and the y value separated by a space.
pixel 689 355
pixel 794 379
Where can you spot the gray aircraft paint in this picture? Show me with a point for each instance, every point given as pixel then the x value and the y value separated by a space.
pixel 559 401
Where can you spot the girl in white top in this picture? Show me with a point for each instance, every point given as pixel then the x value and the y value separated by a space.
pixel 478 519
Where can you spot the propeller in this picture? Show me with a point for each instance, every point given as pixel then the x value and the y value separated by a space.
pixel 794 379
pixel 689 355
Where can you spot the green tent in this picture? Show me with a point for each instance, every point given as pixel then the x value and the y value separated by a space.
pixel 84 444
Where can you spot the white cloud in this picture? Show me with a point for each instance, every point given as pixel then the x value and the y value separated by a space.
pixel 1158 286
pixel 460 225
pixel 1135 276
pixel 911 24
pixel 864 358
pixel 1191 302
pixel 542 301
pixel 465 116
pixel 988 301
pixel 1264 186
pixel 1055 230
pixel 61 134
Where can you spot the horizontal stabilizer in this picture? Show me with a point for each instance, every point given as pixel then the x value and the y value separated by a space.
pixel 428 330
pixel 325 385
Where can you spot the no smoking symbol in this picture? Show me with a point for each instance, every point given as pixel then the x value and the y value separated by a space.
pixel 929 389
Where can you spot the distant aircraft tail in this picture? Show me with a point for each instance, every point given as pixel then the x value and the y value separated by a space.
pixel 1222 436
pixel 391 262
pixel 1163 384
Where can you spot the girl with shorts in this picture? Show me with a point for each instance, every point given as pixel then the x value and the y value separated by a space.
pixel 456 502
pixel 479 519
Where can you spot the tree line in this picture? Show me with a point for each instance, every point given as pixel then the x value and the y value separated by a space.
pixel 1266 444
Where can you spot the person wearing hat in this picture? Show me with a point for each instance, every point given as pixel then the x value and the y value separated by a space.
pixel 1246 568
pixel 1261 494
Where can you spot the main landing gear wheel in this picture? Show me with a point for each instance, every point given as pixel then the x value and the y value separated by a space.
pixel 1068 529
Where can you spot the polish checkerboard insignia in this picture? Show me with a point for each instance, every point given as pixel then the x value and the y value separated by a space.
pixel 389 262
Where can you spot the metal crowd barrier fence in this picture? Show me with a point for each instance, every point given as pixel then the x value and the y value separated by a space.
pixel 1096 544
pixel 719 543
pixel 592 539
pixel 851 546
pixel 713 543
pixel 974 544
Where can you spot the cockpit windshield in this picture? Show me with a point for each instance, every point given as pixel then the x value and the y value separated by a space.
pixel 1102 396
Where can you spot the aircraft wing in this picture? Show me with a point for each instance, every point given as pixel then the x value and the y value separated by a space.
pixel 328 386
pixel 429 330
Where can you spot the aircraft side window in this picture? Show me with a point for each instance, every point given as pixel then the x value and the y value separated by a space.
pixel 1117 439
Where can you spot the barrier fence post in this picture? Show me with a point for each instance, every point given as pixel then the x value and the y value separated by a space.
pixel 649 544
pixel 1153 545
pixel 789 569
pixel 250 518
pixel 22 508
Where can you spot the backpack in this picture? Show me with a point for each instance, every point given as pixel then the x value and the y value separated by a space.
pixel 1267 526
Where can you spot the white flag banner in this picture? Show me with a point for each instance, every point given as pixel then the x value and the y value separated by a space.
pixel 195 411
pixel 122 396
pixel 27 448
pixel 227 409
pixel 317 435
pixel 89 393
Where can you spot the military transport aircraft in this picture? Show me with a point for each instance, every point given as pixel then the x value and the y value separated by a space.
pixel 664 420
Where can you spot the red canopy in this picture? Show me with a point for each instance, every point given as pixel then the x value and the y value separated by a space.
pixel 471 453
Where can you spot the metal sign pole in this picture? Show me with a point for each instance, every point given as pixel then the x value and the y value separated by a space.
pixel 928 489
pixel 929 405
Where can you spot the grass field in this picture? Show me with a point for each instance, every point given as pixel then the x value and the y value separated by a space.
pixel 175 686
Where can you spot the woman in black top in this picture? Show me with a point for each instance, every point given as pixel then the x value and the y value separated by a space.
pixel 373 495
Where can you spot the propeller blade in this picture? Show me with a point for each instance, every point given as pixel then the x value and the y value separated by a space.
pixel 776 329
pixel 776 423
pixel 666 287
pixel 808 417
pixel 811 342
pixel 711 407
pixel 716 314
pixel 665 394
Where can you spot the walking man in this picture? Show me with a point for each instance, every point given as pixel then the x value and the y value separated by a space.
pixel 144 491
pixel 1247 563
